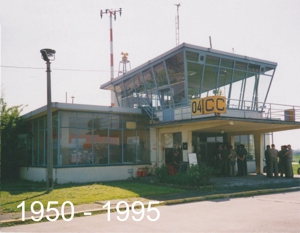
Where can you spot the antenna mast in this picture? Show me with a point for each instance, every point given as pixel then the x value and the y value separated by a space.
pixel 177 24
pixel 112 13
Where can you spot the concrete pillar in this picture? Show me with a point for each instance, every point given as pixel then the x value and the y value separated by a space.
pixel 153 146
pixel 185 138
pixel 231 140
pixel 160 148
pixel 259 152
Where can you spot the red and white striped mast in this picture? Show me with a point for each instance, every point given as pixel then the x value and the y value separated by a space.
pixel 112 13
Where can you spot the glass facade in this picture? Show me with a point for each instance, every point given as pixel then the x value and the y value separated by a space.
pixel 177 77
pixel 86 138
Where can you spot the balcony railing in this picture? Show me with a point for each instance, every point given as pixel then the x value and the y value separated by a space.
pixel 235 108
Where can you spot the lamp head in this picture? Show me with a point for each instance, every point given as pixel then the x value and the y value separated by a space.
pixel 48 54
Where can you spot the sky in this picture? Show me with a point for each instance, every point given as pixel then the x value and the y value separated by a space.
pixel 263 29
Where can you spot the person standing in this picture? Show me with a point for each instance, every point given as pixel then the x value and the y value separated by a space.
pixel 282 160
pixel 273 161
pixel 225 160
pixel 267 157
pixel 288 160
pixel 244 155
pixel 223 154
pixel 232 160
pixel 219 158
pixel 240 160
pixel 176 160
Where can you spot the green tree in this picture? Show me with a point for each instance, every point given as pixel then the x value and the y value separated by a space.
pixel 11 151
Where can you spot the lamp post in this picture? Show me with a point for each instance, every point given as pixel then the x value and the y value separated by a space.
pixel 49 55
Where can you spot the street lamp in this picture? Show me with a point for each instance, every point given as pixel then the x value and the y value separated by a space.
pixel 49 55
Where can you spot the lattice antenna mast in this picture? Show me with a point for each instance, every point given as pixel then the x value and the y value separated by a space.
pixel 177 24
pixel 111 13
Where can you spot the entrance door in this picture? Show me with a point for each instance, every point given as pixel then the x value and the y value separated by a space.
pixel 202 152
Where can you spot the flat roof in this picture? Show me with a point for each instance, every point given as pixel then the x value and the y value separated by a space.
pixel 81 108
pixel 187 46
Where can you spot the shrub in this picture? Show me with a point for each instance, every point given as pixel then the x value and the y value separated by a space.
pixel 196 175
pixel 161 173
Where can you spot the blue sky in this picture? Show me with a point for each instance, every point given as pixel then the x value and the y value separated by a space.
pixel 264 29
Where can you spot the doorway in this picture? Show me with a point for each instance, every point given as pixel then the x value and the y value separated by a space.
pixel 205 145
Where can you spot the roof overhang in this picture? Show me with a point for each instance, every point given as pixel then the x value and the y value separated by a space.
pixel 81 108
pixel 109 85
pixel 232 125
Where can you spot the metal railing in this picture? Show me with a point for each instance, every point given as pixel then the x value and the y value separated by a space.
pixel 271 111
pixel 235 108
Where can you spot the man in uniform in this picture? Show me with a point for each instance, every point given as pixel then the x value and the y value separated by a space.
pixel 273 153
pixel 240 161
pixel 267 157
pixel 289 159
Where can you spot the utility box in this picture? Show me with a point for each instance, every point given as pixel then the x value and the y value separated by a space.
pixel 289 115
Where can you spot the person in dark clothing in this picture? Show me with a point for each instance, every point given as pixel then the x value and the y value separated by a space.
pixel 219 158
pixel 176 160
pixel 224 160
pixel 216 158
pixel 244 155
pixel 289 154
pixel 282 161
pixel 267 157
pixel 273 153
pixel 240 161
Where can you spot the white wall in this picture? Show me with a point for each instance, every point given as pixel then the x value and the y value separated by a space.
pixel 82 174
pixel 33 173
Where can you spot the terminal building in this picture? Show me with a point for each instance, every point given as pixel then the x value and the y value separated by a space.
pixel 189 99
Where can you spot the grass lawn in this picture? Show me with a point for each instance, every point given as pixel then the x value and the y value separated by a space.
pixel 12 194
pixel 295 168
pixel 296 158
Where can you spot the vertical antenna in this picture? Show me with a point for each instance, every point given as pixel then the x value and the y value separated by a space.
pixel 177 24
pixel 112 13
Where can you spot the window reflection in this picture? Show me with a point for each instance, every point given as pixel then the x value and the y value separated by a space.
pixel 121 95
pixel 209 80
pixel 140 89
pixel 227 63
pixel 115 146
pixel 194 79
pixel 160 75
pixel 175 67
pixel 212 60
pixel 130 92
pixel 240 65
pixel 192 56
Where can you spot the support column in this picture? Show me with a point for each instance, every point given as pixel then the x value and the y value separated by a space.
pixel 230 139
pixel 160 148
pixel 259 152
pixel 186 137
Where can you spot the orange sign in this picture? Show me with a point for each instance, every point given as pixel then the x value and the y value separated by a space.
pixel 211 104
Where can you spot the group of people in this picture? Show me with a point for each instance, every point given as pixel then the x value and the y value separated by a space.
pixel 227 158
pixel 284 165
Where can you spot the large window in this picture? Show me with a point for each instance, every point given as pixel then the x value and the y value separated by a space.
pixel 194 79
pixel 130 92
pixel 86 139
pixel 175 68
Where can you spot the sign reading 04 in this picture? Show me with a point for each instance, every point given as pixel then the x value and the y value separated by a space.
pixel 211 104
